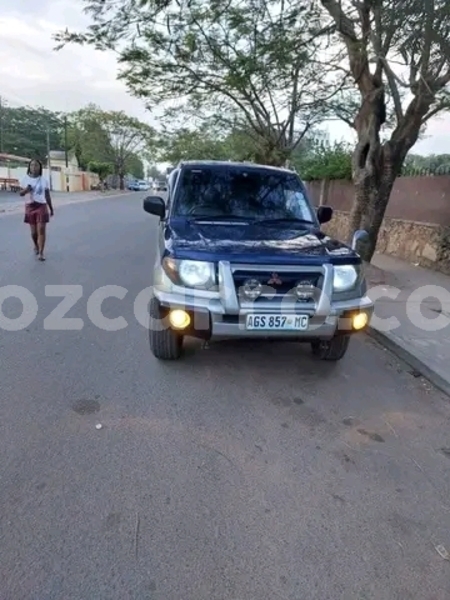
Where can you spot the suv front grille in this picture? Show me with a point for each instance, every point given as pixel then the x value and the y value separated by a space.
pixel 277 284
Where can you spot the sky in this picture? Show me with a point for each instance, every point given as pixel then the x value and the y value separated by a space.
pixel 32 73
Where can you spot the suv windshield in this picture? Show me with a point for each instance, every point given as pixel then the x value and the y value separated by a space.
pixel 253 193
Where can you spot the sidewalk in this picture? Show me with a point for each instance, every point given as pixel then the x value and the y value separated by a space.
pixel 421 333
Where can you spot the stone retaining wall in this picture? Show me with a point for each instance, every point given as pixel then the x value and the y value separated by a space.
pixel 421 243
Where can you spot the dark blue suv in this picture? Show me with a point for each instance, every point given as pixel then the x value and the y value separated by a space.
pixel 241 254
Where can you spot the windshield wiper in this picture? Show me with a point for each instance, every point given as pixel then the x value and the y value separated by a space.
pixel 287 220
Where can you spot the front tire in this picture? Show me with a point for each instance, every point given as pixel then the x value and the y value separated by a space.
pixel 165 344
pixel 331 350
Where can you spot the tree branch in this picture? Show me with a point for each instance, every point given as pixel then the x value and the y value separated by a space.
pixel 441 106
pixel 356 48
pixel 427 38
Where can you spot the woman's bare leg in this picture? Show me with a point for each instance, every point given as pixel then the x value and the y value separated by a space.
pixel 34 237
pixel 41 240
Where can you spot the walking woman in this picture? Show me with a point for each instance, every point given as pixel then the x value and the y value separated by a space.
pixel 38 203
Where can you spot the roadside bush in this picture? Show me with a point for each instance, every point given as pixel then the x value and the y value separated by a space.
pixel 325 161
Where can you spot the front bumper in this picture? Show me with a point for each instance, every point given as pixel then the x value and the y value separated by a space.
pixel 220 314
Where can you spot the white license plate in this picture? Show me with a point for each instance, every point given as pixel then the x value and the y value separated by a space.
pixel 268 322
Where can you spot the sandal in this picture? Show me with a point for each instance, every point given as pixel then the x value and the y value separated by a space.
pixel 41 258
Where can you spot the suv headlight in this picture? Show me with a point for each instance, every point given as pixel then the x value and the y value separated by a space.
pixel 345 277
pixel 190 273
pixel 195 273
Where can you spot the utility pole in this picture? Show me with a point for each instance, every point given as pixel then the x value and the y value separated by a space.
pixel 66 152
pixel 49 164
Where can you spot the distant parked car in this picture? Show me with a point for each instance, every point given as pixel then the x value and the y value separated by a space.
pixel 160 186
pixel 143 186
pixel 139 185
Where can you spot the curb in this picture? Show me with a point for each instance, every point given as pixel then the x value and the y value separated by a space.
pixel 411 360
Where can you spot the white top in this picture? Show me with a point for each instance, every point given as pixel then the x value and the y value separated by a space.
pixel 38 187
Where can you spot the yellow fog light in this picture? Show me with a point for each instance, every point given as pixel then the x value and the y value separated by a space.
pixel 360 320
pixel 179 319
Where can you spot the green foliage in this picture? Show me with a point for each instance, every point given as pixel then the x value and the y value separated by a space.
pixel 134 166
pixel 186 144
pixel 24 131
pixel 87 138
pixel 313 160
pixel 103 169
pixel 325 161
pixel 434 164
pixel 103 142
pixel 274 69
pixel 250 62
pixel 126 136
pixel 110 137
pixel 210 142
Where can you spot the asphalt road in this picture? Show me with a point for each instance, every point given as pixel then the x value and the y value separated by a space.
pixel 243 472
pixel 12 199
pixel 8 197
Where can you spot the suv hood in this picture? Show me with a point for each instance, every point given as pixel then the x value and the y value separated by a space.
pixel 253 243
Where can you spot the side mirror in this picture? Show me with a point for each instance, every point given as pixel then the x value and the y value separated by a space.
pixel 359 236
pixel 324 214
pixel 155 205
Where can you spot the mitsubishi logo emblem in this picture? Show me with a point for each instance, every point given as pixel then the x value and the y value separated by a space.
pixel 274 280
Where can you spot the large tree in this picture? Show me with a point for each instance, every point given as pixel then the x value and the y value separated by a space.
pixel 111 137
pixel 26 131
pixel 210 141
pixel 191 144
pixel 103 169
pixel 135 167
pixel 249 61
pixel 87 138
pixel 128 137
pixel 154 173
pixel 324 161
pixel 398 56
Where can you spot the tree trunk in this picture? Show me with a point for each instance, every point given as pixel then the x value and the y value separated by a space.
pixel 359 205
pixel 367 157
pixel 272 150
pixel 374 217
pixel 373 193
pixel 376 165
pixel 387 169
